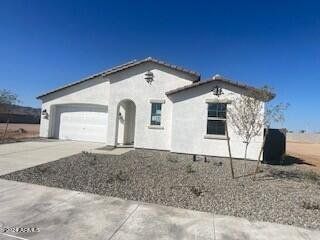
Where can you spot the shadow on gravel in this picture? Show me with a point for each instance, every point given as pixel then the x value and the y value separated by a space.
pixel 290 160
pixel 296 175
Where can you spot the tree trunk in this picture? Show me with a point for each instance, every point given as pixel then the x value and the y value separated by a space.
pixel 246 151
pixel 260 153
pixel 229 149
pixel 5 131
pixel 245 159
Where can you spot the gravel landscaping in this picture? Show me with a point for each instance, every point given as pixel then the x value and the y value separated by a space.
pixel 282 194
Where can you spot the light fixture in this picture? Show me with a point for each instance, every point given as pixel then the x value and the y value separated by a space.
pixel 45 114
pixel 148 77
pixel 217 91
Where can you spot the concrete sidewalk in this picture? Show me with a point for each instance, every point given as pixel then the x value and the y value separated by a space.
pixel 63 214
pixel 17 156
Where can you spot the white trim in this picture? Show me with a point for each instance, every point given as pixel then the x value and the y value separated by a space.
pixel 162 101
pixel 215 136
pixel 156 101
pixel 216 100
pixel 217 118
pixel 155 127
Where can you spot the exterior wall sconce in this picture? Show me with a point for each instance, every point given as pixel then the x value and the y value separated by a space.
pixel 45 114
pixel 149 77
pixel 217 91
pixel 121 117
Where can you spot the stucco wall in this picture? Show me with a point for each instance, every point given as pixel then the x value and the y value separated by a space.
pixel 94 91
pixel 189 125
pixel 130 84
pixel 183 118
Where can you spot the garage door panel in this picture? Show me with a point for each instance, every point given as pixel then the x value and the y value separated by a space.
pixel 82 123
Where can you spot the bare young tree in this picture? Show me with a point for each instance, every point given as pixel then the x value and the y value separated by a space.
pixel 7 98
pixel 246 114
pixel 273 114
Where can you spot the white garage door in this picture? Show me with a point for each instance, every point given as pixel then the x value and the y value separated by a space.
pixel 82 123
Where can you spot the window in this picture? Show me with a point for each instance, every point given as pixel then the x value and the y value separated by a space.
pixel 217 116
pixel 156 114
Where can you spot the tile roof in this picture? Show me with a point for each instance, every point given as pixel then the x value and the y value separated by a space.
pixel 219 79
pixel 123 67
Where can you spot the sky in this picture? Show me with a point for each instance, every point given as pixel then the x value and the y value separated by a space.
pixel 46 44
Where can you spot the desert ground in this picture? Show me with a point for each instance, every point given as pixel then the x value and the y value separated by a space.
pixel 18 131
pixel 307 154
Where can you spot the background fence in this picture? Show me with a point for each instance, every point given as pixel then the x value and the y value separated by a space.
pixel 19 118
pixel 303 137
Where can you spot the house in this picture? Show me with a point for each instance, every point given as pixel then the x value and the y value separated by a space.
pixel 147 104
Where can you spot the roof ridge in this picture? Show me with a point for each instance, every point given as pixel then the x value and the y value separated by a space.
pixel 171 65
pixel 123 67
pixel 217 78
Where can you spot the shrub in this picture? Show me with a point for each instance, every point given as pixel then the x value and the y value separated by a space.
pixel 196 191
pixel 219 164
pixel 172 159
pixel 121 176
pixel 312 176
pixel 93 160
pixel 43 168
pixel 296 175
pixel 190 169
pixel 311 205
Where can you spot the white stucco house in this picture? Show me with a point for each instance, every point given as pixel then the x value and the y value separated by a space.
pixel 147 104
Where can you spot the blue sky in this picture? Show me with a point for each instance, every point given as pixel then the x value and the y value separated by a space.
pixel 45 44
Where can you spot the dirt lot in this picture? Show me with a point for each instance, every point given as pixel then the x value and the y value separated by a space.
pixel 17 131
pixel 307 154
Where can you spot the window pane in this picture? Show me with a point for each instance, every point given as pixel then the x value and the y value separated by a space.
pixel 155 113
pixel 216 127
pixel 217 110
pixel 212 110
pixel 222 110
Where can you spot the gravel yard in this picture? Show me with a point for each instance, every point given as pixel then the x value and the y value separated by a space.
pixel 282 194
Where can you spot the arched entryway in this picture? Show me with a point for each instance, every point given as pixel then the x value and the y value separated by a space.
pixel 126 115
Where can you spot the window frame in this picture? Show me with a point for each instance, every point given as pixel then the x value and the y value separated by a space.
pixel 223 119
pixel 151 125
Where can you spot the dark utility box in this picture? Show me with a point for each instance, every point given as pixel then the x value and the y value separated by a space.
pixel 275 146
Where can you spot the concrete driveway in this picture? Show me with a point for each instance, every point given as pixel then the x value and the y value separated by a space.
pixel 17 156
pixel 63 214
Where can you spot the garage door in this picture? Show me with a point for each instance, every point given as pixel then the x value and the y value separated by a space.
pixel 82 123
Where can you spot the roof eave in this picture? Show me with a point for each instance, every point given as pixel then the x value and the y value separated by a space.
pixel 123 67
pixel 223 80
